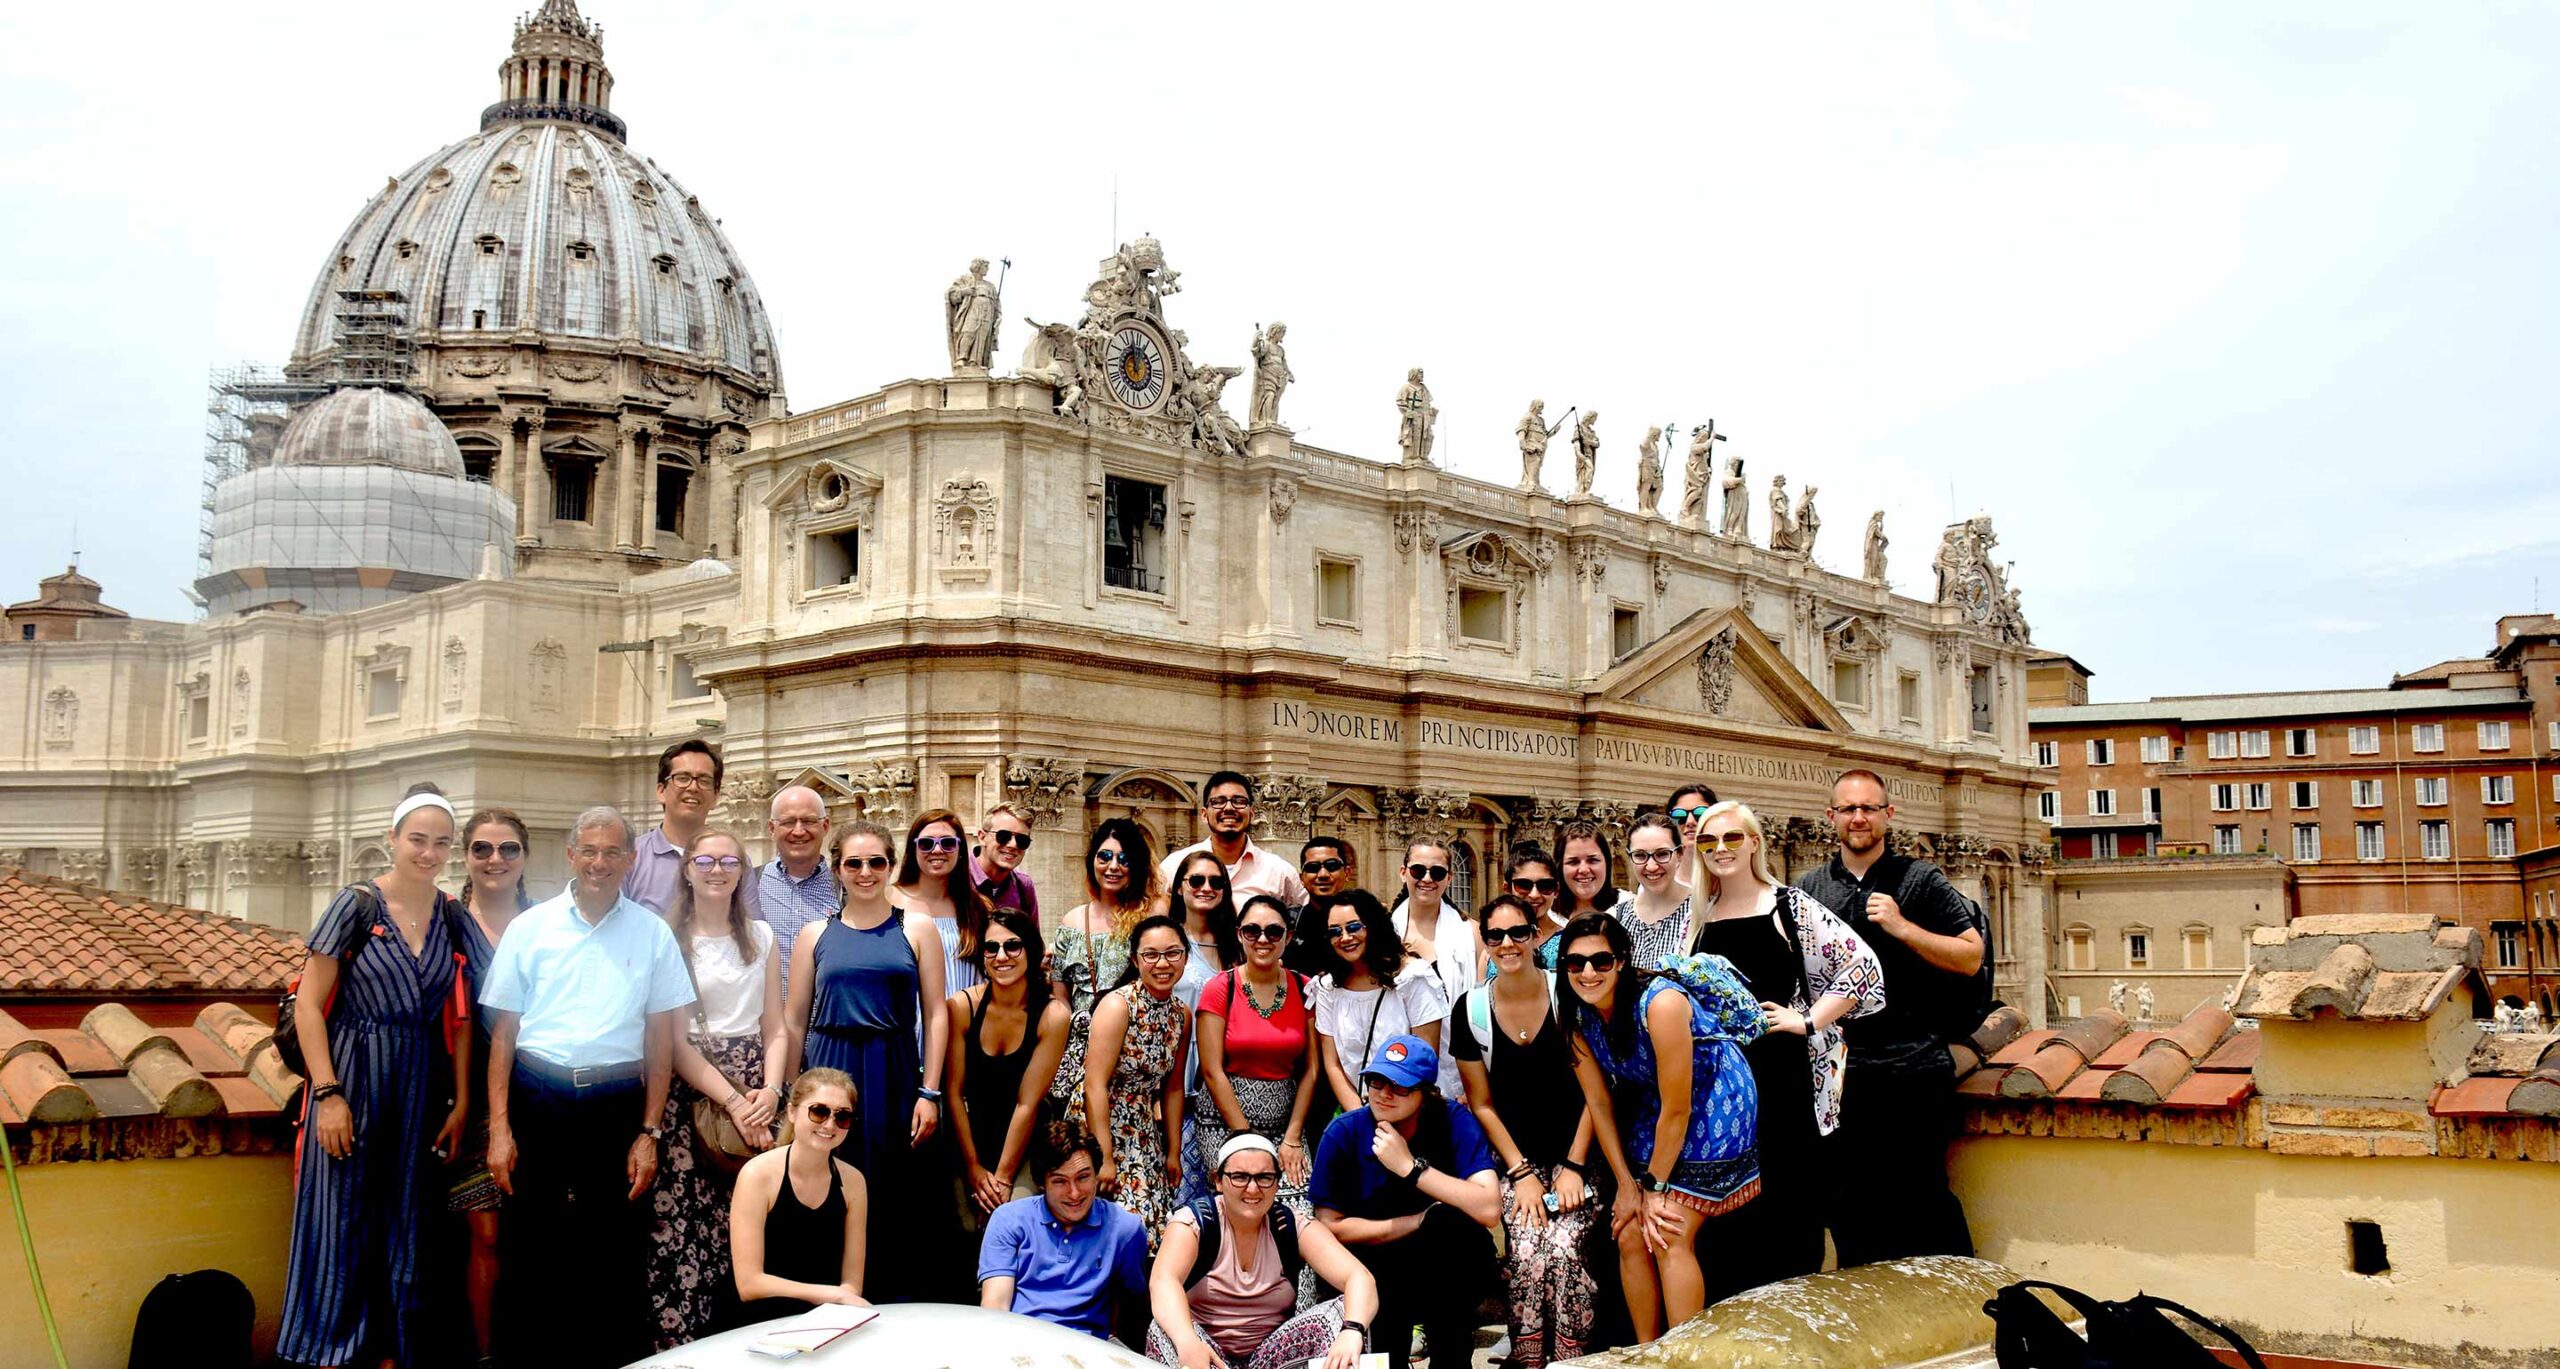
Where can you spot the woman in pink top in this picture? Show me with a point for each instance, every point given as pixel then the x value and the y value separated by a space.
pixel 1258 1048
pixel 1222 1288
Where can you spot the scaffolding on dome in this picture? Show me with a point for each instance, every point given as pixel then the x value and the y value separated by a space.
pixel 238 400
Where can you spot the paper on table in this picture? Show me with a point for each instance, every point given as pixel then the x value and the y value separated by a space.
pixel 792 1336
pixel 1375 1359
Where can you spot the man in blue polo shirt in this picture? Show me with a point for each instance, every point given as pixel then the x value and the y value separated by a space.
pixel 1063 1255
pixel 1408 1183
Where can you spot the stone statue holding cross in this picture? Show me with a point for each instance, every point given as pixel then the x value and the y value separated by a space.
pixel 1415 418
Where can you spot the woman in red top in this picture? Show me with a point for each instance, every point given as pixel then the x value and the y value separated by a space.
pixel 1258 1058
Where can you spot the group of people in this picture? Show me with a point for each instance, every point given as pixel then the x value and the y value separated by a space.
pixel 1236 1110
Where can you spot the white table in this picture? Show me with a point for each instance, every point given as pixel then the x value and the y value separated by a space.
pixel 921 1336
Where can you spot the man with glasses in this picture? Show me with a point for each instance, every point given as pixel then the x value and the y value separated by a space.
pixel 796 888
pixel 1226 809
pixel 1065 1254
pixel 1897 1099
pixel 1004 839
pixel 689 775
pixel 585 990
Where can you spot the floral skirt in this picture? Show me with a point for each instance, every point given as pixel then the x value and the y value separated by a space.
pixel 1305 1336
pixel 690 1281
pixel 1554 1299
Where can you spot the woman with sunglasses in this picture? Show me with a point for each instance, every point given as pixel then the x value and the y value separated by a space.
pixel 1583 851
pixel 1374 989
pixel 797 1222
pixel 1518 1066
pixel 1092 950
pixel 859 983
pixel 1133 1075
pixel 1673 1042
pixel 1257 1045
pixel 494 842
pixel 1529 873
pixel 936 879
pixel 1222 1288
pixel 733 1054
pixel 1810 973
pixel 1441 936
pixel 1207 899
pixel 1688 809
pixel 1011 1031
pixel 1658 918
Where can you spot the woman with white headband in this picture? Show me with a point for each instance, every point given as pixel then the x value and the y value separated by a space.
pixel 1224 1286
pixel 381 1012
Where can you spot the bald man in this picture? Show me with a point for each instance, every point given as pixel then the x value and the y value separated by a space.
pixel 797 888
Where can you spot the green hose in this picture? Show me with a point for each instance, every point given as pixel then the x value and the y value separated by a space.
pixel 27 1244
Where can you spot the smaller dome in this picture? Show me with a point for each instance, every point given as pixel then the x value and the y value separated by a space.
pixel 365 425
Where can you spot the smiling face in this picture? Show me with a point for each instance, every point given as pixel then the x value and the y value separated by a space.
pixel 423 842
pixel 1861 814
pixel 1727 846
pixel 1591 983
pixel 1655 853
pixel 1586 870
pixel 1111 867
pixel 1002 842
pixel 1160 955
pixel 688 791
pixel 1249 1181
pixel 1004 956
pixel 862 867
pixel 1228 809
pixel 798 822
pixel 1535 883
pixel 1266 935
pixel 714 868
pixel 938 849
pixel 1426 876
pixel 1202 882
pixel 825 1116
pixel 1511 951
pixel 494 871
pixel 1346 934
pixel 1069 1189
pixel 1322 882
pixel 599 857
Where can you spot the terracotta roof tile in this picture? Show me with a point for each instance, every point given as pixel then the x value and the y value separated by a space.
pixel 2476 1097
pixel 81 1053
pixel 2239 1055
pixel 2125 1051
pixel 119 1097
pixel 208 1058
pixel 240 1098
pixel 61 937
pixel 2086 1087
pixel 2537 1094
pixel 71 1075
pixel 2514 1053
pixel 1982 1083
pixel 2202 1090
pixel 2023 1049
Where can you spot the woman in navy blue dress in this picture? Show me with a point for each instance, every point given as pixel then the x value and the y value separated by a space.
pixel 859 984
pixel 387 1100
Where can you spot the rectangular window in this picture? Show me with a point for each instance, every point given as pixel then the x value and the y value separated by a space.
pixel 1337 592
pixel 2199 948
pixel 1480 615
pixel 2079 950
pixel 1626 633
pixel 2221 746
pixel 2497 788
pixel 2226 798
pixel 2048 754
pixel 1132 534
pixel 2507 941
pixel 1910 698
pixel 199 717
pixel 2301 741
pixel 835 558
pixel 2364 741
pixel 2103 845
pixel 2493 736
pixel 2102 751
pixel 572 483
pixel 2365 793
pixel 2226 840
pixel 1981 683
pixel 2369 841
pixel 2260 797
pixel 2502 836
pixel 2254 744
pixel 673 481
pixel 2555 737
pixel 2306 841
pixel 2151 803
pixel 2431 791
pixel 682 684
pixel 2435 839
pixel 2426 737
pixel 2049 805
pixel 2304 793
pixel 382 694
pixel 2137 950
pixel 2155 751
pixel 2102 803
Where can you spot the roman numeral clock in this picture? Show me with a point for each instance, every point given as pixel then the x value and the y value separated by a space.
pixel 1136 368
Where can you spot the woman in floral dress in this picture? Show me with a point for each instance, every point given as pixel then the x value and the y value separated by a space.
pixel 1133 1075
pixel 1091 952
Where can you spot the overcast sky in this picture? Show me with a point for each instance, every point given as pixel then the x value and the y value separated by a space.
pixel 2238 320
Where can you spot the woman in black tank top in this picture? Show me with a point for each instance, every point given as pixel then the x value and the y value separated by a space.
pixel 795 1218
pixel 997 1091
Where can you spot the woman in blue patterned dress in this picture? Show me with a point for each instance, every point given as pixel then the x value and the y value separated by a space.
pixel 1091 952
pixel 1672 1040
pixel 387 1099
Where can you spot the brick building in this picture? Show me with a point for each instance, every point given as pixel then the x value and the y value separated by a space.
pixel 2415 798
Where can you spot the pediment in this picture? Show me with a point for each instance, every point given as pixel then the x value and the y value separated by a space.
pixel 1490 556
pixel 1720 664
pixel 839 796
pixel 826 486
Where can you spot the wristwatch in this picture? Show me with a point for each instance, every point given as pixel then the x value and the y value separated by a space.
pixel 654 1133
pixel 1420 1168
pixel 1650 1184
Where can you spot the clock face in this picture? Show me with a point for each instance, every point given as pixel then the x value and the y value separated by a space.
pixel 1136 369
pixel 1977 596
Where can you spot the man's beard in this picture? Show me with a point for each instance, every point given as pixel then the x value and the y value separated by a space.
pixel 1851 842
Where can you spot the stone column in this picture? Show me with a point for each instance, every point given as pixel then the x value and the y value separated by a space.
pixel 532 484
pixel 644 493
pixel 622 501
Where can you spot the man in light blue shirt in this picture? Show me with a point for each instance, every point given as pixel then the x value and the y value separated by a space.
pixel 796 888
pixel 1064 1255
pixel 586 990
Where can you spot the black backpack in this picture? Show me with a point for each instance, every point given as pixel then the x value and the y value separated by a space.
pixel 289 1041
pixel 2122 1335
pixel 1284 1232
pixel 194 1321
pixel 1952 1008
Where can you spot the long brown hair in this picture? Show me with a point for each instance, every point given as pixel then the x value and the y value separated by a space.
pixel 680 912
pixel 810 1081
pixel 484 816
pixel 968 906
pixel 1146 883
pixel 842 837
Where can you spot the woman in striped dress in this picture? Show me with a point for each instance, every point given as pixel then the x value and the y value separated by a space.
pixel 387 1088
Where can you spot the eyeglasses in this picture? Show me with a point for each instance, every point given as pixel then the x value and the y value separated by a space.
pixel 1325 866
pixel 798 824
pixel 1729 841
pixel 1495 936
pixel 937 844
pixel 1654 857
pixel 1163 957
pixel 1427 874
pixel 686 779
pixel 1263 931
pixel 1598 962
pixel 1684 814
pixel 1526 887
pixel 504 850
pixel 1862 810
pixel 717 862
pixel 1265 1179
pixel 865 862
pixel 1018 840
pixel 1119 858
pixel 1205 881
pixel 993 949
pixel 1344 931
pixel 1227 801
pixel 601 852
pixel 820 1114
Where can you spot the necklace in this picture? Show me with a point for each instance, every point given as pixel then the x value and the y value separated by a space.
pixel 1250 996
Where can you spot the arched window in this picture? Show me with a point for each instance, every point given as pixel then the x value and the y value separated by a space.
pixel 1461 893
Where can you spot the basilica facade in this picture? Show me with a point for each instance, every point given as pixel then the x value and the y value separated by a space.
pixel 1072 580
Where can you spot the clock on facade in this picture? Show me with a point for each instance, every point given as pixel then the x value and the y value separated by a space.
pixel 1135 365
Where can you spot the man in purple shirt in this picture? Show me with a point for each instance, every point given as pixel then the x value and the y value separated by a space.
pixel 689 775
pixel 1004 838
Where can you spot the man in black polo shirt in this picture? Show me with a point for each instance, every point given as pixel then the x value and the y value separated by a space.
pixel 1897 1099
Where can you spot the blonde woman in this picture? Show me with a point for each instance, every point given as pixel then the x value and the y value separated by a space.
pixel 796 1221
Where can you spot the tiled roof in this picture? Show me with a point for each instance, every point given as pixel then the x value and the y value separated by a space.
pixel 113 1066
pixel 2381 967
pixel 2245 707
pixel 2513 1074
pixel 2202 1062
pixel 2446 670
pixel 60 937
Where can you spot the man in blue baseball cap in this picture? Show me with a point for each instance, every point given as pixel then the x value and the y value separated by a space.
pixel 1408 1183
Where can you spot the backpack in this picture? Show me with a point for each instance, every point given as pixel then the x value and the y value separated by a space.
pixel 1480 1016
pixel 1284 1233
pixel 194 1321
pixel 1953 1009
pixel 288 1040
pixel 2122 1335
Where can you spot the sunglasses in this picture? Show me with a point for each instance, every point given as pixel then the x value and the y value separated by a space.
pixel 1598 962
pixel 717 862
pixel 504 850
pixel 1525 887
pixel 865 862
pixel 1020 841
pixel 1263 931
pixel 1344 931
pixel 937 844
pixel 820 1114
pixel 1495 936
pixel 1654 857
pixel 1119 858
pixel 1163 957
pixel 1205 881
pixel 1684 814
pixel 1427 874
pixel 1379 1083
pixel 993 949
pixel 1323 866
pixel 1730 841
pixel 1265 1179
